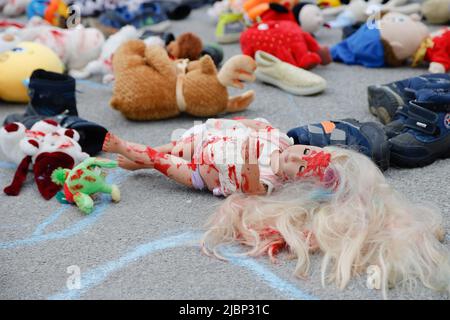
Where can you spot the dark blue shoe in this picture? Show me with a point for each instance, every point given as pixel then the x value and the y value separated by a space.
pixel 426 134
pixel 368 138
pixel 385 100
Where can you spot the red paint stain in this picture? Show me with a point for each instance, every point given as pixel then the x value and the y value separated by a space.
pixel 232 175
pixel 77 187
pixel 180 154
pixel 77 175
pixel 90 179
pixel 139 162
pixel 245 183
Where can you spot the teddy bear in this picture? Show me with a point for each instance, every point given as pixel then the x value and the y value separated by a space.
pixel 103 64
pixel 436 11
pixel 287 41
pixel 47 146
pixel 151 86
pixel 76 47
pixel 389 41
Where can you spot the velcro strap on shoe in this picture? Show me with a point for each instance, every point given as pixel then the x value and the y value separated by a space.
pixel 338 137
pixel 421 119
pixel 317 136
pixel 434 106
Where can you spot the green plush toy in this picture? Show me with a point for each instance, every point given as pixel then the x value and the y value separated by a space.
pixel 84 180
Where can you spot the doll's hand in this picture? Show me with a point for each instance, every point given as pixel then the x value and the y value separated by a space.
pixel 436 67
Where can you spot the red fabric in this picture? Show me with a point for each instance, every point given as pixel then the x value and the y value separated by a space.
pixel 284 39
pixel 441 50
pixel 43 168
pixel 68 194
pixel 19 177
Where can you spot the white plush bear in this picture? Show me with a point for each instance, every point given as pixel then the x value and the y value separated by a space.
pixel 46 146
pixel 14 8
pixel 103 65
pixel 76 47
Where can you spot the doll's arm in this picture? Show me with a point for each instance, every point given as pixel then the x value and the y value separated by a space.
pixel 251 183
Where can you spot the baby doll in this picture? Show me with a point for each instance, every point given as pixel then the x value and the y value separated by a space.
pixel 436 51
pixel 328 199
pixel 287 41
pixel 394 39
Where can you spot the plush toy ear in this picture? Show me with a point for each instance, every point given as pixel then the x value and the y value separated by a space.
pixel 72 134
pixel 207 65
pixel 278 7
pixel 46 126
pixel 29 146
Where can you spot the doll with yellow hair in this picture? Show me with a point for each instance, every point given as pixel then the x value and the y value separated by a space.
pixel 302 199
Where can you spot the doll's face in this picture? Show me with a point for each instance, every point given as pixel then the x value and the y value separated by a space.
pixel 302 161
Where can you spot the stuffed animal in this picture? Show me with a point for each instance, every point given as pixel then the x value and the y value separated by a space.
pixel 17 65
pixel 83 181
pixel 358 11
pixel 103 65
pixel 46 146
pixel 436 51
pixel 150 86
pixel 54 11
pixel 14 8
pixel 225 6
pixel 307 15
pixel 287 41
pixel 186 46
pixel 8 41
pixel 256 8
pixel 436 11
pixel 395 39
pixel 76 47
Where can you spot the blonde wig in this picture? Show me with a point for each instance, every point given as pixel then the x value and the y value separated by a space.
pixel 354 218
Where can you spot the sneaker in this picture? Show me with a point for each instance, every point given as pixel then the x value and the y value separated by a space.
pixel 426 133
pixel 214 51
pixel 287 77
pixel 52 96
pixel 367 138
pixel 148 16
pixel 385 100
pixel 229 27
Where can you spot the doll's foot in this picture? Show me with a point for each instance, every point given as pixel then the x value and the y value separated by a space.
pixel 115 193
pixel 325 55
pixel 128 164
pixel 112 143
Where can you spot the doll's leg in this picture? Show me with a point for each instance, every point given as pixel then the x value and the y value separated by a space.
pixel 113 190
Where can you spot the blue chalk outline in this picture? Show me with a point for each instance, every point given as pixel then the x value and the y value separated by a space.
pixel 99 274
pixel 105 201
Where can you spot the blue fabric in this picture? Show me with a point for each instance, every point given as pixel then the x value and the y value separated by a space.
pixel 364 47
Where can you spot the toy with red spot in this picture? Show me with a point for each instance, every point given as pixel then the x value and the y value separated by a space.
pixel 83 181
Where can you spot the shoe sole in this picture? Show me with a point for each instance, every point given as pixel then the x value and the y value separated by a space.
pixel 379 98
pixel 229 38
pixel 294 90
pixel 374 133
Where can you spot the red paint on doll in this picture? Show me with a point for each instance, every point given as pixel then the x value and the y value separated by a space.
pixel 77 175
pixel 163 168
pixel 77 187
pixel 317 162
pixel 180 154
pixel 245 183
pixel 232 175
pixel 192 166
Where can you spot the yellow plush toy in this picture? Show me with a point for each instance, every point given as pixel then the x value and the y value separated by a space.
pixel 17 65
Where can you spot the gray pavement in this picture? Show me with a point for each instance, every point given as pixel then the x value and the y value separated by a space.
pixel 146 246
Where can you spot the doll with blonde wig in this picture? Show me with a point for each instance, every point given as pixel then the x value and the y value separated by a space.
pixel 330 201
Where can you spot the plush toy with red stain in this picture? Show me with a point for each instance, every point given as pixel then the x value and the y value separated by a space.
pixel 439 53
pixel 287 41
pixel 46 146
pixel 84 180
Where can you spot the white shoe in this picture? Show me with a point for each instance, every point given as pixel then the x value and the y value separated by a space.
pixel 290 78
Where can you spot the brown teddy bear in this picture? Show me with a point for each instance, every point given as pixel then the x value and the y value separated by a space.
pixel 186 46
pixel 151 86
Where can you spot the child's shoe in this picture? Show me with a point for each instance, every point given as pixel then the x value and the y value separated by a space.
pixel 367 137
pixel 229 27
pixel 289 78
pixel 52 96
pixel 426 134
pixel 385 100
